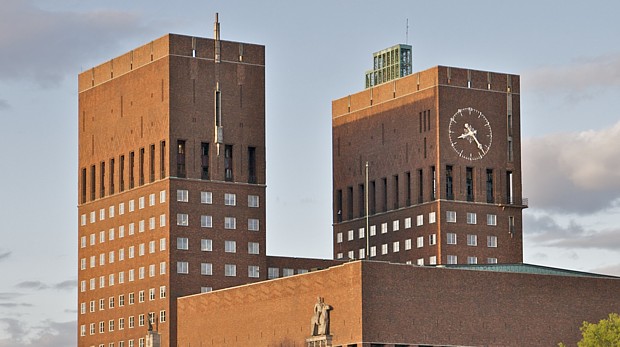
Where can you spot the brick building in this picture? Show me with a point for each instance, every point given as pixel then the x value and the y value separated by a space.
pixel 378 304
pixel 171 184
pixel 444 169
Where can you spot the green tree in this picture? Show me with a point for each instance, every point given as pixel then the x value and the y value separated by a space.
pixel 605 333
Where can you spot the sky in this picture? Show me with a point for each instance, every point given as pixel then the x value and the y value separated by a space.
pixel 566 52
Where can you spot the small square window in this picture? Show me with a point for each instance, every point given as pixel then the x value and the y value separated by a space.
pixel 253 201
pixel 452 259
pixel 253 248
pixel 492 241
pixel 491 219
pixel 162 196
pixel 253 271
pixel 253 224
pixel 407 222
pixel 451 216
pixel 206 197
pixel 182 267
pixel 206 245
pixel 206 269
pixel 182 219
pixel 396 225
pixel 182 243
pixel 182 195
pixel 472 260
pixel 451 238
pixel 472 240
pixel 384 228
pixel 206 221
pixel 491 260
pixel 431 217
pixel 230 246
pixel 230 270
pixel 230 199
pixel 230 223
pixel 432 260
pixel 471 218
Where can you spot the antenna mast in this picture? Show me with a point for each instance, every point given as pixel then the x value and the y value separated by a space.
pixel 407 33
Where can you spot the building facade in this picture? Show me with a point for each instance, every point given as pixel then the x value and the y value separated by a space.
pixel 442 148
pixel 378 304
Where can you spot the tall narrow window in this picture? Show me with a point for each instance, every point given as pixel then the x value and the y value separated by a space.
pixel 433 183
pixel 111 176
pixel 373 197
pixel 350 203
pixel 228 163
pixel 162 159
pixel 83 187
pixel 408 188
pixel 509 195
pixel 420 186
pixel 131 167
pixel 490 198
pixel 93 179
pixel 449 190
pixel 252 165
pixel 385 194
pixel 469 183
pixel 141 166
pixel 396 192
pixel 204 160
pixel 121 173
pixel 181 159
pixel 102 180
pixel 361 200
pixel 152 163
pixel 339 205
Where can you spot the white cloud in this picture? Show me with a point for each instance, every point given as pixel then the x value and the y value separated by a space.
pixel 578 77
pixel 46 46
pixel 573 172
pixel 48 334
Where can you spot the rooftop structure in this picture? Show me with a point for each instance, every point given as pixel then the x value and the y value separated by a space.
pixel 390 63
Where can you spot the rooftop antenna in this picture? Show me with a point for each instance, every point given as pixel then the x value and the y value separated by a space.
pixel 407 33
pixel 216 37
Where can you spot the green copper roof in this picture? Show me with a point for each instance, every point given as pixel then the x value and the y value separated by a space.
pixel 528 269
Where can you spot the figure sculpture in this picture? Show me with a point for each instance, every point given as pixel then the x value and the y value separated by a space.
pixel 320 319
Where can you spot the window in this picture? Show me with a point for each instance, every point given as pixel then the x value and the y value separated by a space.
pixel 83 242
pixel 351 255
pixel 452 259
pixel 111 302
pixel 131 228
pixel 111 257
pixel 432 239
pixel 206 269
pixel 141 249
pixel 471 218
pixel 373 230
pixel 230 246
pixel 395 225
pixel 396 246
pixel 419 220
pixel 162 316
pixel 101 236
pixel 152 163
pixel 162 292
pixel 121 324
pixel 206 197
pixel 432 260
pixel 162 159
pixel 121 254
pixel 491 219
pixel 253 271
pixel 206 289
pixel 182 195
pixel 431 217
pixel 83 264
pixel 131 298
pixel 230 223
pixel 204 160
pixel 469 183
pixel 162 220
pixel 182 219
pixel 273 272
pixel 492 241
pixel 152 270
pixel 230 270
pixel 339 237
pixel 228 163
pixel 361 233
pixel 92 328
pixel 182 243
pixel 252 165
pixel 253 201
pixel 253 224
pixel 141 203
pixel 362 253
pixel 182 267
pixel 206 245
pixel 141 321
pixel 151 223
pixel 384 228
pixel 141 226
pixel 407 222
pixel 181 158
pixel 420 262
pixel 162 244
pixel 253 248
pixel 408 244
pixel 131 275
pixel 206 221
pixel 472 260
pixel 162 196
pixel 420 242
pixel 121 300
pixel 93 218
pixel 287 272
pixel 350 235
pixel 511 224
pixel 472 240
pixel 121 231
pixel 101 327
pixel 449 192
pixel 141 272
pixel 373 251
pixel 384 248
pixel 121 277
pixel 101 259
pixel 491 260
pixel 490 197
pixel 162 268
pixel 131 325
pixel 101 304
pixel 451 216
pixel 451 238
pixel 230 199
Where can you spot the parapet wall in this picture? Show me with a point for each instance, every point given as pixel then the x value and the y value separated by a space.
pixel 170 44
pixel 422 80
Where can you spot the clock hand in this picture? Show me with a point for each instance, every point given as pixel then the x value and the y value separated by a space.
pixel 478 142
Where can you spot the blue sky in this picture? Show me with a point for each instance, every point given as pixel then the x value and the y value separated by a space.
pixel 567 54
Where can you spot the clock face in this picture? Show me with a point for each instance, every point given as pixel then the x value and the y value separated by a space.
pixel 470 134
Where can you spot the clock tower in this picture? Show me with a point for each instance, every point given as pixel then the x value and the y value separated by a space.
pixel 443 178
